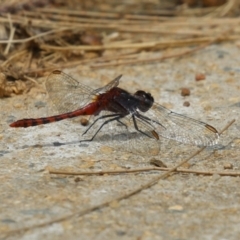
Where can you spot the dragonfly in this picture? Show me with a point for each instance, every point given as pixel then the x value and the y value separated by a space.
pixel 119 117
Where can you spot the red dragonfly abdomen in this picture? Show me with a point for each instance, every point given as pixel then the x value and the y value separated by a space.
pixel 90 109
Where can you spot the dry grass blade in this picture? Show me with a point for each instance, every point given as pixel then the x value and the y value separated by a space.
pixel 224 9
pixel 59 32
pixel 12 31
pixel 147 169
pixel 155 59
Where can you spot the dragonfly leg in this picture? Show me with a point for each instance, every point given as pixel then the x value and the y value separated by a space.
pixel 122 123
pixel 136 127
pixel 148 120
pixel 102 117
pixel 116 118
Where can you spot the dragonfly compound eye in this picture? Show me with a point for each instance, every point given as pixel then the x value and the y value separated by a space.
pixel 145 100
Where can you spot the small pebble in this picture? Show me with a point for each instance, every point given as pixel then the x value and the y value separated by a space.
pixel 176 208
pixel 200 77
pixel 40 104
pixel 78 179
pixel 84 121
pixel 157 163
pixel 228 166
pixel 186 165
pixel 18 105
pixel 186 104
pixel 91 38
pixel 185 92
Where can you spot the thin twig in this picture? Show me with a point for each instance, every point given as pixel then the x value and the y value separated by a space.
pixel 81 13
pixel 147 169
pixel 105 204
pixel 157 59
pixel 16 55
pixel 122 26
pixel 10 40
pixel 222 10
pixel 144 45
pixel 125 25
pixel 31 79
pixel 82 61
pixel 25 40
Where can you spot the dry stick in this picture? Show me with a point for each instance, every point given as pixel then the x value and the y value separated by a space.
pixel 135 26
pixel 179 22
pixel 61 24
pixel 35 36
pixel 98 14
pixel 10 40
pixel 148 60
pixel 156 28
pixel 115 26
pixel 78 19
pixel 167 44
pixel 168 24
pixel 32 80
pixel 227 7
pixel 81 13
pixel 83 61
pixel 16 55
pixel 148 18
pixel 222 10
pixel 131 193
pixel 72 26
pixel 154 59
pixel 174 21
pixel 145 45
pixel 147 169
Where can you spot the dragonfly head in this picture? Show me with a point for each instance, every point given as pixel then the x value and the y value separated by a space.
pixel 145 100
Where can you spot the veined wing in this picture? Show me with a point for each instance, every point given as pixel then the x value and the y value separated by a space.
pixel 66 93
pixel 110 85
pixel 181 128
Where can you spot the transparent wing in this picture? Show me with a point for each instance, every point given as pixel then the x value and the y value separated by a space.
pixel 66 93
pixel 122 135
pixel 110 85
pixel 181 128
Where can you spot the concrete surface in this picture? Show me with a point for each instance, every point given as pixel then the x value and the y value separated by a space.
pixel 183 206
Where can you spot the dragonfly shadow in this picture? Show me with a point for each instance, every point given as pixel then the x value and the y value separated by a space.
pixel 2 153
pixel 108 138
pixel 125 142
pixel 53 144
pixel 103 139
pixel 119 141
